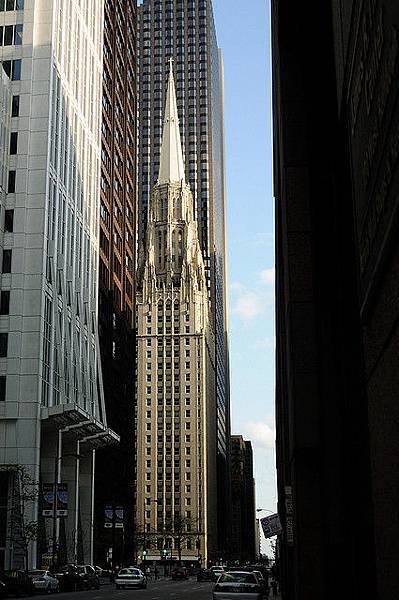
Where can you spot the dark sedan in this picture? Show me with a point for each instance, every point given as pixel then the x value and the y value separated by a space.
pixel 205 575
pixel 179 573
pixel 17 583
pixel 69 578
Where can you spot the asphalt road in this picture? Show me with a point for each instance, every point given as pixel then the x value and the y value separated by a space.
pixel 163 589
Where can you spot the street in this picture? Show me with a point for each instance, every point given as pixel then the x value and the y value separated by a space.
pixel 163 589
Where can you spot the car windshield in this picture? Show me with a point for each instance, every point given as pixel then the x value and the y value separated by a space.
pixel 128 572
pixel 81 570
pixel 237 578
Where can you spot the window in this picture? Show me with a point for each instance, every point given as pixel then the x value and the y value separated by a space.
pixel 11 5
pixel 15 106
pixel 2 388
pixel 9 221
pixel 12 68
pixel 11 182
pixel 4 302
pixel 7 257
pixel 13 142
pixel 3 344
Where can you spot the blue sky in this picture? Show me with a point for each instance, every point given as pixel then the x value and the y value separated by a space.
pixel 243 30
pixel 244 36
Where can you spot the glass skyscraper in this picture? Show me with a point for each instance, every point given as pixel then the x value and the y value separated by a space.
pixel 185 31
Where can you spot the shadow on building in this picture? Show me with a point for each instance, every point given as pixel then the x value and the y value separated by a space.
pixel 336 177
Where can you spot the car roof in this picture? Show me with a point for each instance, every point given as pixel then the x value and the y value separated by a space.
pixel 239 572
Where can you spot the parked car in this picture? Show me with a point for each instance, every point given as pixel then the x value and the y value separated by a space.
pixel 17 583
pixel 179 573
pixel 68 578
pixel 264 582
pixel 130 577
pixel 89 577
pixel 242 585
pixel 99 571
pixel 205 575
pixel 44 581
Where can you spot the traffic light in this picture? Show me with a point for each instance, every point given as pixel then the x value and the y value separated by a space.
pixel 164 552
pixel 145 552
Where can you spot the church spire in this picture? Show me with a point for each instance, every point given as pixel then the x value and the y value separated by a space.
pixel 171 165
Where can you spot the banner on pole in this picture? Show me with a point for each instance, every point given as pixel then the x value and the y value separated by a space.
pixel 47 499
pixel 118 517
pixel 271 525
pixel 108 516
pixel 62 499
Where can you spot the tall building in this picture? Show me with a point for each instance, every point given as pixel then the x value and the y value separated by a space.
pixel 52 413
pixel 176 437
pixel 243 542
pixel 336 150
pixel 115 495
pixel 185 30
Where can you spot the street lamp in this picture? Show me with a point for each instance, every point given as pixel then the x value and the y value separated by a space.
pixel 147 501
pixel 57 468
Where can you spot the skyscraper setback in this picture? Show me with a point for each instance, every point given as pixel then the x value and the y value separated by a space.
pixel 185 31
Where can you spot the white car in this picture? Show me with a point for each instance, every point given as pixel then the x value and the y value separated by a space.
pixel 238 585
pixel 217 570
pixel 130 578
pixel 43 581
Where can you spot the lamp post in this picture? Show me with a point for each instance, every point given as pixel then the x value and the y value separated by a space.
pixel 57 465
pixel 147 501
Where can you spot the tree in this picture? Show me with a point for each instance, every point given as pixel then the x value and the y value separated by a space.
pixel 181 530
pixel 22 530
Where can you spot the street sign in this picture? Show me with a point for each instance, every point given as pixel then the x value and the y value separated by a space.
pixel 271 525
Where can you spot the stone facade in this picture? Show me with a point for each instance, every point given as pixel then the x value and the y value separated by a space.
pixel 176 438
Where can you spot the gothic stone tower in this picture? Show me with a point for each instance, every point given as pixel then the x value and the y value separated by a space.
pixel 176 429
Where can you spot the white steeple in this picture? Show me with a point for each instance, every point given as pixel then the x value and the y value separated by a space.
pixel 171 169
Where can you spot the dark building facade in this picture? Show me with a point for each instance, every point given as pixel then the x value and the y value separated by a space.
pixel 243 545
pixel 185 31
pixel 336 167
pixel 115 468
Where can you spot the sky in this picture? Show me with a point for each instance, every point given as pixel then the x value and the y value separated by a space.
pixel 243 30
